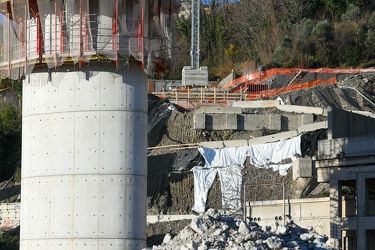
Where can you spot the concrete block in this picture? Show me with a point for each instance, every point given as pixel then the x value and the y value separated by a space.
pixel 301 109
pixel 212 144
pixel 274 122
pixel 256 104
pixel 306 119
pixel 312 127
pixel 222 144
pixel 293 121
pixel 218 110
pixel 302 168
pixel 289 122
pixel 255 121
pixel 199 121
pixel 235 143
pixel 216 121
pixel 231 121
pixel 273 138
pixel 323 174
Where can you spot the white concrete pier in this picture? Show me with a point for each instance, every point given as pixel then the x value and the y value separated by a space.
pixel 84 169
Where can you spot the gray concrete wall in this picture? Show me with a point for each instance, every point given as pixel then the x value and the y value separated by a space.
pixel 227 79
pixel 304 212
pixel 342 123
pixel 346 147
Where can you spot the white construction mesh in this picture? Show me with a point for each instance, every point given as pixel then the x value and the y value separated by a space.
pixel 61 31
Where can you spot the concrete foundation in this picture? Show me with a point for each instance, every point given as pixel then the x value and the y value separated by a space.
pixel 84 171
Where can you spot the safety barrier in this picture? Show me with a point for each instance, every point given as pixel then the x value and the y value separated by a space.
pixel 290 88
pixel 244 82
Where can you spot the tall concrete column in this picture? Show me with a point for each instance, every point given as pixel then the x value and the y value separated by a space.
pixel 84 156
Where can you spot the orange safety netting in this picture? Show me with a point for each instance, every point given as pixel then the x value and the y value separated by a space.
pixel 55 32
pixel 258 77
pixel 290 88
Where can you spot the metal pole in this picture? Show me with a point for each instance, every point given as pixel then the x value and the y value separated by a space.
pixel 214 96
pixel 188 98
pixel 201 96
pixel 244 202
pixel 284 203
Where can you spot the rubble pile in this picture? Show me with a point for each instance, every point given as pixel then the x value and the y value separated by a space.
pixel 218 230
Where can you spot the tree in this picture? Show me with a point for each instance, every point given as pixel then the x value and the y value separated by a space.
pixel 323 35
pixel 10 141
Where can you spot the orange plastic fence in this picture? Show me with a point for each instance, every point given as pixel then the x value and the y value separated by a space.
pixel 290 88
pixel 263 75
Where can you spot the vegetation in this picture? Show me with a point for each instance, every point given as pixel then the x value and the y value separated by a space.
pixel 288 33
pixel 10 141
pixel 9 241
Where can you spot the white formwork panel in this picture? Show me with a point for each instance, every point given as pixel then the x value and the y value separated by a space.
pixel 62 207
pixel 122 143
pixel 87 91
pixel 62 144
pixel 39 207
pixel 86 142
pixel 86 203
pixel 49 144
pixel 26 148
pixel 25 229
pixel 35 244
pixel 136 160
pixel 52 144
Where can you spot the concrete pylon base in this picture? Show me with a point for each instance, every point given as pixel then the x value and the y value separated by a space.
pixel 84 158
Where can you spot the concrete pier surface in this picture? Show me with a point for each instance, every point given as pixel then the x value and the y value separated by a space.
pixel 84 170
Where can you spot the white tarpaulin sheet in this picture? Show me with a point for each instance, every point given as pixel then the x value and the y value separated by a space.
pixel 271 155
pixel 228 162
pixel 224 157
pixel 203 179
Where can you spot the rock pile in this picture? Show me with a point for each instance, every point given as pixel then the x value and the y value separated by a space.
pixel 217 230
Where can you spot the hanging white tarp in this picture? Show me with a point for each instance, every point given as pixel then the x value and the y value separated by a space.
pixel 229 162
pixel 203 179
pixel 272 155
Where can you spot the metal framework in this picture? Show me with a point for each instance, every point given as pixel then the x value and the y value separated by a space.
pixel 195 29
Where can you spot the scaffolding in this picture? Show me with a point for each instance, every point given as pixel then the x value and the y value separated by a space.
pixel 36 32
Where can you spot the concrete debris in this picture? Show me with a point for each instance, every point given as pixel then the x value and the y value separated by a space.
pixel 215 229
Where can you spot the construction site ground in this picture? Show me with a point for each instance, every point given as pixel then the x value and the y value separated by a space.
pixel 170 182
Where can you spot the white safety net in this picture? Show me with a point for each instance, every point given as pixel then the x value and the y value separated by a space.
pixel 77 31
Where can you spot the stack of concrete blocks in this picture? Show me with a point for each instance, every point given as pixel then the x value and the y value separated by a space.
pixel 9 215
pixel 195 77
pixel 232 118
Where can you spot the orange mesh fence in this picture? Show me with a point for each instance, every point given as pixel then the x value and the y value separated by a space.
pixel 290 88
pixel 257 77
